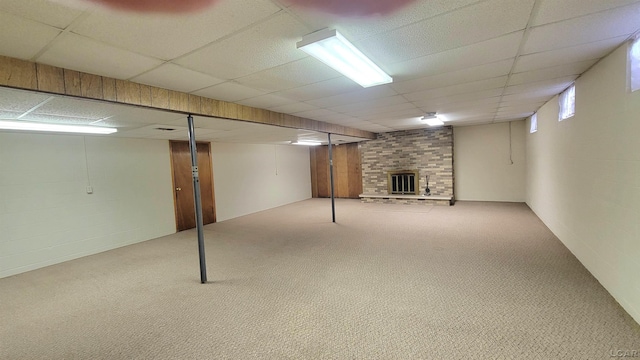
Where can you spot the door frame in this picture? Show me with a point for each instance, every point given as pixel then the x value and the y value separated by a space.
pixel 173 181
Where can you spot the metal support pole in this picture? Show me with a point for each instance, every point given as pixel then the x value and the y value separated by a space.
pixel 333 202
pixel 196 198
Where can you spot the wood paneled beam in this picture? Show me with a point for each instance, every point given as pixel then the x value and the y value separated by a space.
pixel 22 74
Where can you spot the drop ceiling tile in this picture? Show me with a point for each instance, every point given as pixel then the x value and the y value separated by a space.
pixel 9 115
pixel 366 111
pixel 491 102
pixel 169 36
pixel 364 94
pixel 490 51
pixel 552 86
pixel 138 115
pixel 551 73
pixel 529 103
pixel 82 54
pixel 361 27
pixel 517 109
pixel 583 30
pixel 532 96
pixel 267 44
pixel 487 84
pixel 293 108
pixel 80 108
pixel 475 73
pixel 153 130
pixel 315 114
pixel 482 21
pixel 295 74
pixel 20 100
pixel 321 89
pixel 16 44
pixel 174 77
pixel 229 91
pixel 203 122
pixel 553 10
pixel 472 96
pixel 589 51
pixel 56 119
pixel 47 12
pixel 267 101
pixel 378 103
pixel 415 112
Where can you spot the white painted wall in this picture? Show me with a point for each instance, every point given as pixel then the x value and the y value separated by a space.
pixel 46 216
pixel 251 178
pixel 583 177
pixel 482 165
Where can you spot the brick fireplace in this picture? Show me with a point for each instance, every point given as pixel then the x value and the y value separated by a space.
pixel 424 151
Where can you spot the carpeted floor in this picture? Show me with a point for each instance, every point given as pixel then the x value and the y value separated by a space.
pixel 472 281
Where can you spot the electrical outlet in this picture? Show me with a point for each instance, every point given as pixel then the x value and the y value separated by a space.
pixel 89 190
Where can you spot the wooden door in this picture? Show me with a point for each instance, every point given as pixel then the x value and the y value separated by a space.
pixel 183 184
pixel 347 172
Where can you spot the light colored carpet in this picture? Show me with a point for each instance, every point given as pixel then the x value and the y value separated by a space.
pixel 476 280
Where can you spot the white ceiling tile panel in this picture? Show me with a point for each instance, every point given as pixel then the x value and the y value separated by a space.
pixel 171 76
pixel 477 95
pixel 43 11
pixel 265 101
pixel 493 83
pixel 366 94
pixel 490 51
pixel 167 36
pixel 321 89
pixel 589 51
pixel 583 30
pixel 153 130
pixel 134 114
pixel 293 108
pixel 394 115
pixel 533 96
pixel 491 102
pixel 367 111
pixel 263 46
pixel 20 100
pixel 482 21
pixel 357 28
pixel 379 103
pixel 81 108
pixel 475 73
pixel 551 73
pixel 556 10
pixel 315 114
pixel 229 91
pixel 552 86
pixel 9 115
pixel 13 39
pixel 82 54
pixel 291 75
pixel 57 119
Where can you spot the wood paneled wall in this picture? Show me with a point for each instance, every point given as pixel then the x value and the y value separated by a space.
pixel 347 173
pixel 28 75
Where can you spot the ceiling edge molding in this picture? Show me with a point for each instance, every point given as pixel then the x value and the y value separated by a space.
pixel 22 74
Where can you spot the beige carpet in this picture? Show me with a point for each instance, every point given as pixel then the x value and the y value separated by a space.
pixel 472 281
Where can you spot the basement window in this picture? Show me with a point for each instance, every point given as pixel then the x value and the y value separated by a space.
pixel 634 62
pixel 567 103
pixel 534 123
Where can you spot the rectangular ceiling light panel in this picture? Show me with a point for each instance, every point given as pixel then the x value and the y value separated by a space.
pixel 330 47
pixel 33 126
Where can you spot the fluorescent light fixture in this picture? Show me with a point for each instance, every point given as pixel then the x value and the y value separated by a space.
pixel 33 126
pixel 306 143
pixel 432 119
pixel 330 47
